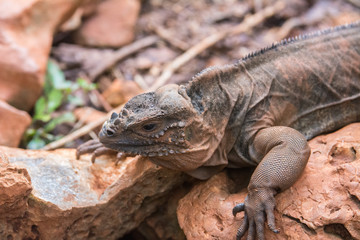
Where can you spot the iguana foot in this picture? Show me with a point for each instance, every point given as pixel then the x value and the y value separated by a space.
pixel 96 148
pixel 259 203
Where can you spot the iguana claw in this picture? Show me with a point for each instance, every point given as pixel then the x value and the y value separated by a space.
pixel 258 204
pixel 95 147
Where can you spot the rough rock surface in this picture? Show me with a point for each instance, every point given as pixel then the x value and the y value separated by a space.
pixel 112 25
pixel 15 188
pixel 73 199
pixel 323 204
pixel 25 37
pixel 13 123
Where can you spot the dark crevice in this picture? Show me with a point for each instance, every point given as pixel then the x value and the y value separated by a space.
pixel 353 150
pixel 338 230
pixel 355 199
pixel 241 178
pixel 303 225
pixel 35 230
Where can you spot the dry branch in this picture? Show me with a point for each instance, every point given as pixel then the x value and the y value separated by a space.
pixel 165 35
pixel 120 54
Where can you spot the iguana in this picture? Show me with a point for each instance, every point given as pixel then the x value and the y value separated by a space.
pixel 259 111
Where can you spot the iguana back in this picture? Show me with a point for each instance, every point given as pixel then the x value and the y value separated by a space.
pixel 310 83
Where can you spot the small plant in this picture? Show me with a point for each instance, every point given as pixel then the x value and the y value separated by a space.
pixel 57 91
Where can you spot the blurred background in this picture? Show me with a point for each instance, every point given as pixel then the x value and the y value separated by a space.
pixel 67 62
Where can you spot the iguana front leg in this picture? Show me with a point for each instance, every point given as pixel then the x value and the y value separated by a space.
pixel 283 153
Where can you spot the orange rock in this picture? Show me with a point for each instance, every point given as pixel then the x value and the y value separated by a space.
pixel 13 123
pixel 120 91
pixel 206 211
pixel 26 30
pixel 15 187
pixel 112 25
pixel 322 204
pixel 4 160
pixel 88 114
pixel 75 199
pixel 328 192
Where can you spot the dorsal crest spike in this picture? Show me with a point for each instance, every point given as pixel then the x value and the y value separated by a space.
pixel 302 37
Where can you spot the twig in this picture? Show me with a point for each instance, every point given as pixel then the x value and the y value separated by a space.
pixel 120 54
pixel 248 23
pixel 139 80
pixel 164 34
pixel 98 96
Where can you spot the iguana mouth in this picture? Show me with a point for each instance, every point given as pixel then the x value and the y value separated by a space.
pixel 149 148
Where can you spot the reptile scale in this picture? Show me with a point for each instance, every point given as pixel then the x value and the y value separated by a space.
pixel 259 111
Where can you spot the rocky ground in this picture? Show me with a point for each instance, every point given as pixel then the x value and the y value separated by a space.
pixel 128 47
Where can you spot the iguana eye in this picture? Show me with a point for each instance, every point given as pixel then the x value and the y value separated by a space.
pixel 149 127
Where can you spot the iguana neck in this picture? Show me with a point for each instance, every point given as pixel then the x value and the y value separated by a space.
pixel 215 93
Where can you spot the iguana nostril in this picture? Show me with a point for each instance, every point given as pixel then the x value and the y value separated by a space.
pixel 109 132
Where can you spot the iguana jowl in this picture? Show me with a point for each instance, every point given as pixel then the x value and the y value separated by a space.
pixel 259 111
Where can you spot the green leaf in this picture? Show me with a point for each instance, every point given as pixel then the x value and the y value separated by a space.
pixel 40 106
pixel 28 135
pixel 57 91
pixel 30 132
pixel 75 101
pixel 85 85
pixel 66 117
pixel 56 77
pixel 41 110
pixel 54 100
pixel 36 143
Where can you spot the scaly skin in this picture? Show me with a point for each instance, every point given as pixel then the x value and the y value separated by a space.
pixel 259 111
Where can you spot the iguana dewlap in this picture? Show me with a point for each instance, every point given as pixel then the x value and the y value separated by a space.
pixel 259 111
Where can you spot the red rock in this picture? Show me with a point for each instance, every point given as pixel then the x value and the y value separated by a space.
pixel 206 211
pixel 86 9
pixel 88 114
pixel 74 199
pixel 4 160
pixel 15 188
pixel 112 25
pixel 26 30
pixel 120 91
pixel 13 123
pixel 329 190
pixel 322 204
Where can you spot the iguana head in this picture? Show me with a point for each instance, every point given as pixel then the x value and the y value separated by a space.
pixel 162 125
